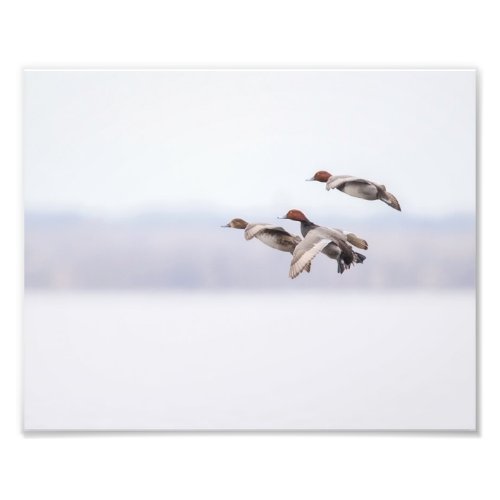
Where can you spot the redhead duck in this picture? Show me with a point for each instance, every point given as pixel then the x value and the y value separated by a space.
pixel 332 242
pixel 355 186
pixel 271 235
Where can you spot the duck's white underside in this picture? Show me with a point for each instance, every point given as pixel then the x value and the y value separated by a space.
pixel 360 190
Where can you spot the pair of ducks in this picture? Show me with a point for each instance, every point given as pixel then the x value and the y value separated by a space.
pixel 334 243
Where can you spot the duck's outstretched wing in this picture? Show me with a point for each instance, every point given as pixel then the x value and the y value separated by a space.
pixel 336 181
pixel 253 230
pixel 305 252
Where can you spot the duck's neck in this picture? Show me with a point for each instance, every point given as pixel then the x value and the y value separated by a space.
pixel 306 226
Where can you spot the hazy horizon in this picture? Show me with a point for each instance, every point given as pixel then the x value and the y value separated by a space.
pixel 188 250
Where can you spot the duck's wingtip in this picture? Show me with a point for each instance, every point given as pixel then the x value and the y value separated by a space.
pixel 357 241
pixel 391 200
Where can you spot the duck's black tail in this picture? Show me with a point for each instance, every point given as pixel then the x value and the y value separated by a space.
pixel 345 262
pixel 359 258
pixel 340 266
pixel 346 257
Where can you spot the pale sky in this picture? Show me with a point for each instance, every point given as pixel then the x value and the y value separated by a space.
pixel 127 141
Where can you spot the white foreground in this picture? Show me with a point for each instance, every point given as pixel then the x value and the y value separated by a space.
pixel 316 360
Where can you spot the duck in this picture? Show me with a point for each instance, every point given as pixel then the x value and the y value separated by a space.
pixel 271 235
pixel 357 187
pixel 331 242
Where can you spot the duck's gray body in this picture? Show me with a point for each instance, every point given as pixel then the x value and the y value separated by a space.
pixel 362 188
pixel 273 236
